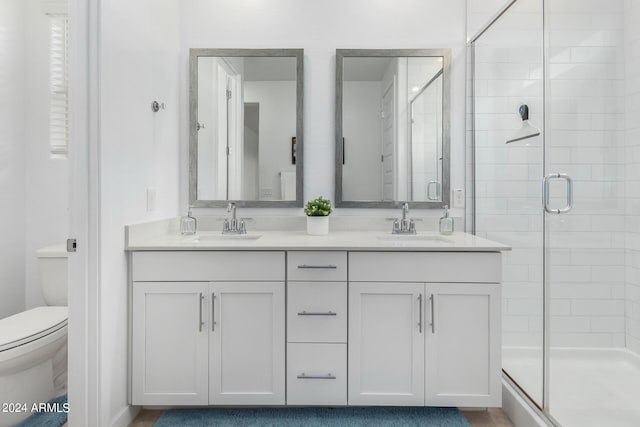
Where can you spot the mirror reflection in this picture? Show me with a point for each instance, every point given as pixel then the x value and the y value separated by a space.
pixel 245 127
pixel 393 143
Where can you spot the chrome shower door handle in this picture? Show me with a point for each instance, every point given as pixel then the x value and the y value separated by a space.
pixel 437 184
pixel 545 193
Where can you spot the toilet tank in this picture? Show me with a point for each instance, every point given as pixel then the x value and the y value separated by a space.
pixel 52 263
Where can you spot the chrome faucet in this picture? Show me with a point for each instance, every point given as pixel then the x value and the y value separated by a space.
pixel 233 225
pixel 404 225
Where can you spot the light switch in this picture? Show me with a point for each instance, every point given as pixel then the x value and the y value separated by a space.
pixel 151 199
pixel 266 193
pixel 458 198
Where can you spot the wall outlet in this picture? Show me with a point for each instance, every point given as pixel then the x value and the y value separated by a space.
pixel 458 198
pixel 151 199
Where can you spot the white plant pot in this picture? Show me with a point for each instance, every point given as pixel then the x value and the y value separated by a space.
pixel 318 225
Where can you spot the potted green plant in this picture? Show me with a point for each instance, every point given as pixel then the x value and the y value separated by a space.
pixel 317 211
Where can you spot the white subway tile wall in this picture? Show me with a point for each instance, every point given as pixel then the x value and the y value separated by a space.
pixel 509 72
pixel 585 138
pixel 632 176
pixel 592 135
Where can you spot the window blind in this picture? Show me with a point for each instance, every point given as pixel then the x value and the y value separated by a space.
pixel 58 86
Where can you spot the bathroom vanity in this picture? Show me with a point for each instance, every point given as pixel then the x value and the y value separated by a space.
pixel 353 318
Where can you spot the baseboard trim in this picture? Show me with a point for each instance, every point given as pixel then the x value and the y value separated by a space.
pixel 126 416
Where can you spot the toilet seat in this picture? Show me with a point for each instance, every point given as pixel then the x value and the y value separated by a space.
pixel 31 325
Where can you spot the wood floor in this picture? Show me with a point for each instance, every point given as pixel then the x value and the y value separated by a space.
pixel 493 417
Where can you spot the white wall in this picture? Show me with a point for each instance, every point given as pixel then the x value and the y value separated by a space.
pixel 632 156
pixel 480 12
pixel 12 157
pixel 34 187
pixel 320 28
pixel 277 125
pixel 45 179
pixel 362 130
pixel 139 150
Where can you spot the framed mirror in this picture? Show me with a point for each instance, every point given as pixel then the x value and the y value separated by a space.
pixel 246 127
pixel 392 127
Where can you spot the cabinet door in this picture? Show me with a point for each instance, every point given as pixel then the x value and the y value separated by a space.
pixel 247 344
pixel 463 361
pixel 169 344
pixel 386 344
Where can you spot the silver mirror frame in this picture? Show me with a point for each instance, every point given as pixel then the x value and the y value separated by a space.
pixel 194 54
pixel 446 125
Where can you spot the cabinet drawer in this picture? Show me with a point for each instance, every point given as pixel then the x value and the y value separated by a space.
pixel 163 266
pixel 317 312
pixel 434 267
pixel 317 374
pixel 317 265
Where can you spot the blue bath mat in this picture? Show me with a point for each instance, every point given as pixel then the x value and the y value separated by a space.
pixel 315 417
pixel 53 414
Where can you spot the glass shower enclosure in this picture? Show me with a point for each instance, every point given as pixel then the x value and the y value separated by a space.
pixel 565 198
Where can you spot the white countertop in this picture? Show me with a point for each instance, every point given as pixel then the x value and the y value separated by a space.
pixel 300 240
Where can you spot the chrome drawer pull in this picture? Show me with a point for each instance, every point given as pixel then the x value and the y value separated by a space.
pixel 213 311
pixel 304 376
pixel 420 304
pixel 311 313
pixel 433 315
pixel 330 267
pixel 200 321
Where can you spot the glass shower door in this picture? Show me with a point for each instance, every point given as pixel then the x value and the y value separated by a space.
pixel 585 237
pixel 508 70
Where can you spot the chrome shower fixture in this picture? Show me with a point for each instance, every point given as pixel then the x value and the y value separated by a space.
pixel 527 130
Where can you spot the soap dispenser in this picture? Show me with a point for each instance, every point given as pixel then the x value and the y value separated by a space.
pixel 446 222
pixel 188 224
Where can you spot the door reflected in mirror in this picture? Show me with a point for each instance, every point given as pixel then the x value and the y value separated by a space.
pixel 246 124
pixel 393 139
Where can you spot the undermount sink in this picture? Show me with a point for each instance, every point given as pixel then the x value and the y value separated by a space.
pixel 416 238
pixel 226 237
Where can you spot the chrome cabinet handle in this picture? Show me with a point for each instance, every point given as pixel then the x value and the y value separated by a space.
pixel 304 376
pixel 420 311
pixel 437 184
pixel 200 322
pixel 545 193
pixel 331 267
pixel 316 313
pixel 433 315
pixel 213 311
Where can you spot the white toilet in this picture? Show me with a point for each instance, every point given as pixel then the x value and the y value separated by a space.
pixel 33 344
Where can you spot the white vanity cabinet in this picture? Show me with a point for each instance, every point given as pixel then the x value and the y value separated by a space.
pixel 170 344
pixel 462 352
pixel 216 337
pixel 386 344
pixel 317 328
pixel 424 328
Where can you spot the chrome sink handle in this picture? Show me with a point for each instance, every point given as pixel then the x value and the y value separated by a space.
pixel 404 225
pixel 232 225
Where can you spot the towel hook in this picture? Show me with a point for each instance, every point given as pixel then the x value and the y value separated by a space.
pixel 157 106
